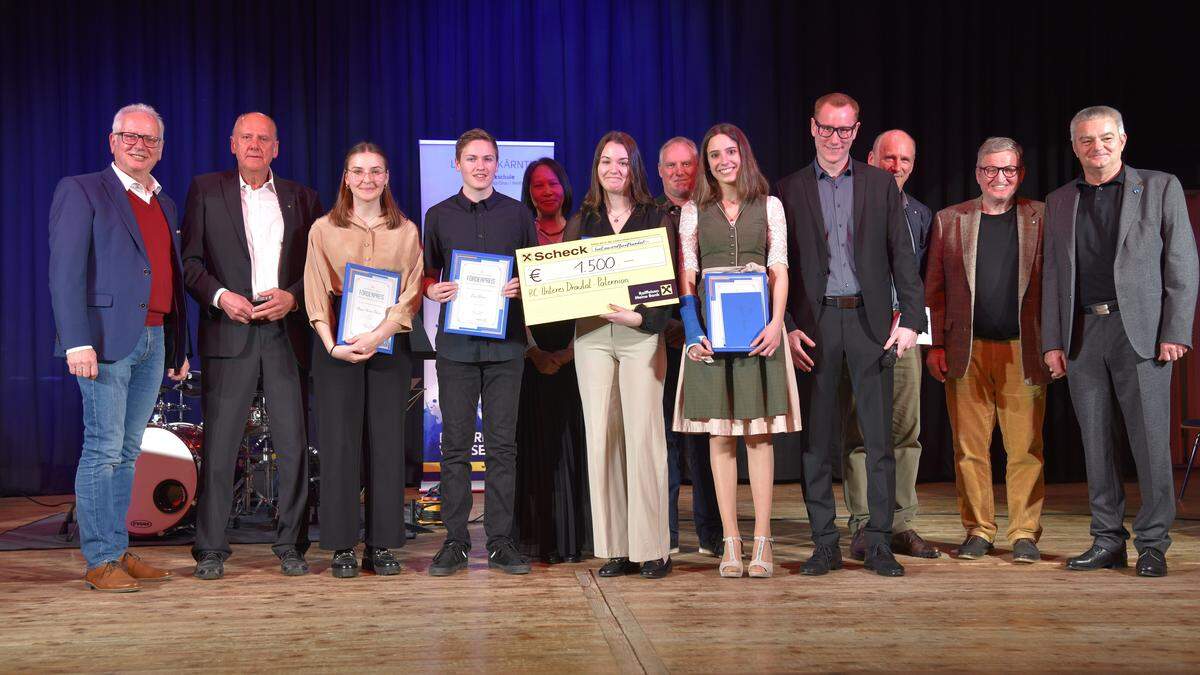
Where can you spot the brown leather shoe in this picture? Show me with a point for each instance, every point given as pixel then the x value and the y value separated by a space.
pixel 111 578
pixel 858 544
pixel 910 543
pixel 139 569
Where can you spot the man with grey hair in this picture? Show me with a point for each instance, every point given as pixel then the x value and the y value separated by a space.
pixel 117 293
pixel 1117 311
pixel 678 163
pixel 245 236
pixel 894 151
pixel 984 311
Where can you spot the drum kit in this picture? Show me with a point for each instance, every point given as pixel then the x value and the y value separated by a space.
pixel 168 478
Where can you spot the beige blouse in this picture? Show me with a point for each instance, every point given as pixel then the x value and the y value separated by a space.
pixel 373 245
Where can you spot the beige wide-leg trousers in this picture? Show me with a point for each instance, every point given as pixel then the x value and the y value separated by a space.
pixel 621 372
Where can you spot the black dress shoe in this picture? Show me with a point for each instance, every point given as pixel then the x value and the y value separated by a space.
pixel 823 559
pixel 505 557
pixel 858 544
pixel 209 566
pixel 344 564
pixel 451 558
pixel 881 561
pixel 973 547
pixel 1097 558
pixel 380 561
pixel 291 563
pixel 616 567
pixel 715 549
pixel 572 558
pixel 1025 551
pixel 552 558
pixel 656 569
pixel 1152 563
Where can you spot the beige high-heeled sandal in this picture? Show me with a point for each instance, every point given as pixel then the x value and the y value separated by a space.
pixel 731 569
pixel 765 569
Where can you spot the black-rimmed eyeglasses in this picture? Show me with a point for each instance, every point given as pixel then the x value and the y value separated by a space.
pixel 843 133
pixel 129 138
pixel 991 171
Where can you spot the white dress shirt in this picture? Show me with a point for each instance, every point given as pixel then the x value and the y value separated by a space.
pixel 264 236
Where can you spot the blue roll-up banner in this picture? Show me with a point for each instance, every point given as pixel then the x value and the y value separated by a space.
pixel 440 180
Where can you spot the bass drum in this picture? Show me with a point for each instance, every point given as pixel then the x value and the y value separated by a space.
pixel 166 479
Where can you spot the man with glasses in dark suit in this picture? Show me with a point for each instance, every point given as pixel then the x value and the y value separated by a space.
pixel 849 245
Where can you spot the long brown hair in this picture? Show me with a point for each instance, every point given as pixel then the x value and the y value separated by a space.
pixel 750 184
pixel 639 188
pixel 343 208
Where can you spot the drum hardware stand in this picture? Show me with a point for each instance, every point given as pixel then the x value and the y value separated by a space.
pixel 65 532
pixel 256 449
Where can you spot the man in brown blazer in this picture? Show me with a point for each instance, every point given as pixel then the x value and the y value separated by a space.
pixel 985 312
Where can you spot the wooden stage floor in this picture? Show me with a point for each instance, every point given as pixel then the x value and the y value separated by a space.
pixel 946 614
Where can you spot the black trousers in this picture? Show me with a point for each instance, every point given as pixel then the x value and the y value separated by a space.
pixel 227 390
pixel 349 395
pixel 1103 367
pixel 461 385
pixel 705 516
pixel 843 335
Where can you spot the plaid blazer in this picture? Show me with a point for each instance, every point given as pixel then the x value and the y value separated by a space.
pixel 950 284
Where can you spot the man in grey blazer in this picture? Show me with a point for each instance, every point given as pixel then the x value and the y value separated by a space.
pixel 1118 298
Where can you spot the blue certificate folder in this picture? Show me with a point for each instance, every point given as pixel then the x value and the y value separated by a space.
pixel 736 309
pixel 479 313
pixel 353 276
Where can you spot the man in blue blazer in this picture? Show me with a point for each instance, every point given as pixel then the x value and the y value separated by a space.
pixel 116 288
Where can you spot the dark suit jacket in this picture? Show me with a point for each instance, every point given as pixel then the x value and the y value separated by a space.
pixel 1155 268
pixel 215 256
pixel 920 220
pixel 950 285
pixel 883 252
pixel 100 271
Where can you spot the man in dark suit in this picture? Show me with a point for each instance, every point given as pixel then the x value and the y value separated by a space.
pixel 678 162
pixel 894 151
pixel 1118 300
pixel 119 313
pixel 245 234
pixel 848 246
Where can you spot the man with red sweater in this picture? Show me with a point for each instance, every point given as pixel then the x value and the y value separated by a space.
pixel 117 293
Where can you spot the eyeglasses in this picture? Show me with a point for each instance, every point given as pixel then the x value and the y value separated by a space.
pixel 129 138
pixel 991 171
pixel 358 174
pixel 843 132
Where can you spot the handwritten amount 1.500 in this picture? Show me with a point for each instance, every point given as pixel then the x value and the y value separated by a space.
pixel 595 265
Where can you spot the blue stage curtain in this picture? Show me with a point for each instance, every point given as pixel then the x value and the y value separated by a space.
pixel 333 73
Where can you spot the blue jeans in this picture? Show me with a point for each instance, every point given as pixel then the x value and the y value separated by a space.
pixel 116 407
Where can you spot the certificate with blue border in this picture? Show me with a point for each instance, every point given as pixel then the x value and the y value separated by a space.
pixel 479 308
pixel 736 304
pixel 367 295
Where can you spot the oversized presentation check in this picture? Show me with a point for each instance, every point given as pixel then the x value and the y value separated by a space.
pixel 582 278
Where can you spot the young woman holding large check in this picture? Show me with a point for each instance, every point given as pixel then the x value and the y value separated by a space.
pixel 621 363
pixel 733 225
pixel 353 380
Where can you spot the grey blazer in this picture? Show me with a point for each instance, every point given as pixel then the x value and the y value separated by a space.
pixel 1155 271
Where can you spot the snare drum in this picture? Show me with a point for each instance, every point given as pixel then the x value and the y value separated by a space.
pixel 166 478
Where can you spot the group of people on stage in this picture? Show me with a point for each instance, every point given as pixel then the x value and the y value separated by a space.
pixel 1099 283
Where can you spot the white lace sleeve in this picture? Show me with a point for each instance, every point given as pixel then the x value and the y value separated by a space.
pixel 776 233
pixel 689 241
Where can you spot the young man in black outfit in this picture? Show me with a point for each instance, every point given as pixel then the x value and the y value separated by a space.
pixel 471 369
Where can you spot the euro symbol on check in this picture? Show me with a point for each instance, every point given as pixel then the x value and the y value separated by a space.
pixel 535 274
